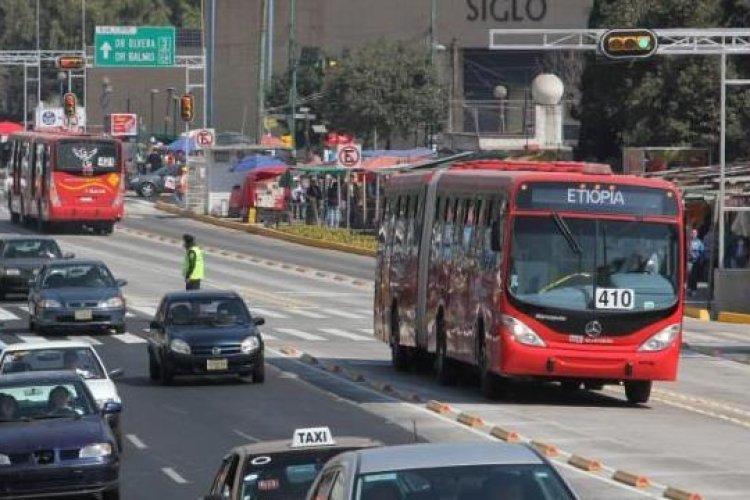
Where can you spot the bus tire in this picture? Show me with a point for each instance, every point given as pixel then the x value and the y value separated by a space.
pixel 638 391
pixel 399 354
pixel 491 385
pixel 445 370
pixel 14 218
pixel 106 228
pixel 41 224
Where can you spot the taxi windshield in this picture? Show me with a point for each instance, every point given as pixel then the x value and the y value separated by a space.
pixel 80 359
pixel 282 476
pixel 478 482
pixel 208 311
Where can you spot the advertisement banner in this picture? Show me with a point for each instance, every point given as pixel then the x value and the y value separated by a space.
pixel 54 118
pixel 123 124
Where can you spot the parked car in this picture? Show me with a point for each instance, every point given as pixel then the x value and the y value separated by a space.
pixel 76 294
pixel 450 471
pixel 280 469
pixel 80 357
pixel 21 257
pixel 204 333
pixel 55 441
pixel 160 181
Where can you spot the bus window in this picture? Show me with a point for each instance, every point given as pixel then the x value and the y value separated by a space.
pixel 437 229
pixel 450 207
pixel 384 233
pixel 87 157
pixel 39 161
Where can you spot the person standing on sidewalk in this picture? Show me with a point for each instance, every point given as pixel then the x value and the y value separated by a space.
pixel 192 265
pixel 696 259
pixel 181 188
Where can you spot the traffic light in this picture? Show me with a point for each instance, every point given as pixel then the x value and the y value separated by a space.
pixel 628 43
pixel 70 62
pixel 187 112
pixel 69 104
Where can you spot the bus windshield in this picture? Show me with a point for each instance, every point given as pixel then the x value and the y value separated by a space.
pixel 87 157
pixel 580 264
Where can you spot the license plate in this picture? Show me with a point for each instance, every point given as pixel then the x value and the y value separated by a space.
pixel 216 364
pixel 86 199
pixel 83 315
pixel 13 272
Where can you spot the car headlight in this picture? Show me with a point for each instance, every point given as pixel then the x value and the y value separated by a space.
pixel 661 340
pixel 522 333
pixel 96 450
pixel 112 303
pixel 4 459
pixel 179 346
pixel 250 344
pixel 48 303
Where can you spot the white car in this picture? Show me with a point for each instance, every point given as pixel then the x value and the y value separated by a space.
pixel 66 355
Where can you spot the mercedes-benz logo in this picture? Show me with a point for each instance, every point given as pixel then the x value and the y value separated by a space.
pixel 216 351
pixel 593 329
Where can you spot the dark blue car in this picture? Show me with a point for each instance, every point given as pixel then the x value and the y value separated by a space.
pixel 205 333
pixel 53 438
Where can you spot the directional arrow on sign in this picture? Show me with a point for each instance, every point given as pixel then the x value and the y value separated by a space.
pixel 106 48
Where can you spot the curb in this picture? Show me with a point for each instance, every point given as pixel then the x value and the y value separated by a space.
pixel 697 313
pixel 733 317
pixel 263 231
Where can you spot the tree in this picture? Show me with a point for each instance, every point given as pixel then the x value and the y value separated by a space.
pixel 663 101
pixel 382 89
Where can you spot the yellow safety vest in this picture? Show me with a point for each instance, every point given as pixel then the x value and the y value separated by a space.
pixel 198 269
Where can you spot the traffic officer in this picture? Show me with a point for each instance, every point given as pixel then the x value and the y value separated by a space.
pixel 192 265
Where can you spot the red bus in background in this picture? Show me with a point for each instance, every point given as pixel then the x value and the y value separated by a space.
pixel 551 271
pixel 69 178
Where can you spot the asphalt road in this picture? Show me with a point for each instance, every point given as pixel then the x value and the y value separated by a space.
pixel 691 435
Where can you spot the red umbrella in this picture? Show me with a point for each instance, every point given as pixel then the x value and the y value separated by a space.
pixel 10 127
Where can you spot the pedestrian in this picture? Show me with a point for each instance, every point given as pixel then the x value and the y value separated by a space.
pixel 180 189
pixel 333 216
pixel 192 265
pixel 314 195
pixel 153 161
pixel 696 258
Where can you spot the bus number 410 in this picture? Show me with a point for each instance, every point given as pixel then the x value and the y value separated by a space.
pixel 614 298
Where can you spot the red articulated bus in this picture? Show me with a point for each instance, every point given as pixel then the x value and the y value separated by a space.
pixel 555 271
pixel 65 178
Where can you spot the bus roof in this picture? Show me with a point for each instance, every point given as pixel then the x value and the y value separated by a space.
pixel 60 134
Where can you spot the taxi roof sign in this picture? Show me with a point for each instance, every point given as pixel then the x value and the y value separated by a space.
pixel 312 436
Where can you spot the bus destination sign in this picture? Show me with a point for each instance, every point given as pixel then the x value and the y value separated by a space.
pixel 574 197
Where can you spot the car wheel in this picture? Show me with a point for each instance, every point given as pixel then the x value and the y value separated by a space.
pixel 259 372
pixel 638 391
pixel 120 328
pixel 165 374
pixel 32 325
pixel 153 367
pixel 2 295
pixel 113 494
pixel 147 189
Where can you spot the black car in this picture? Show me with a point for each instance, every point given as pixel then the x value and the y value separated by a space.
pixel 53 439
pixel 21 257
pixel 205 333
pixel 76 294
pixel 280 469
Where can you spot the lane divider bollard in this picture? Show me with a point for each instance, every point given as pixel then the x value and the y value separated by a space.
pixel 504 434
pixel 548 450
pixel 438 407
pixel 309 359
pixel 470 420
pixel 587 464
pixel 634 480
pixel 677 494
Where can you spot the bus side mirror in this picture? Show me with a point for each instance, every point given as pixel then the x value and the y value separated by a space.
pixel 495 236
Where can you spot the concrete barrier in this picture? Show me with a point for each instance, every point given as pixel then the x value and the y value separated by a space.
pixel 733 317
pixel 438 407
pixel 470 420
pixel 678 494
pixel 505 435
pixel 697 313
pixel 586 464
pixel 634 480
pixel 546 449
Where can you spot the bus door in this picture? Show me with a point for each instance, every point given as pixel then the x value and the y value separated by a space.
pixel 382 295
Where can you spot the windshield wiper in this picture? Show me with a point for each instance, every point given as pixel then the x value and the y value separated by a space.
pixel 564 229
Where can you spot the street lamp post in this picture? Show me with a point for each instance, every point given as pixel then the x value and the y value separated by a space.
pixel 170 93
pixel 104 100
pixel 175 105
pixel 61 77
pixel 153 96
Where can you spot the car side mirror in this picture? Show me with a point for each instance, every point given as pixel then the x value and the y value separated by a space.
pixel 111 407
pixel 495 236
pixel 121 282
pixel 155 325
pixel 259 321
pixel 69 255
pixel 116 373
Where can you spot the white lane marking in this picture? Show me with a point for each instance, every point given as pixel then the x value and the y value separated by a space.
pixel 147 310
pixel 268 336
pixel 257 311
pixel 300 334
pixel 136 441
pixel 31 339
pixel 246 436
pixel 129 338
pixel 84 338
pixel 341 333
pixel 173 475
pixel 306 314
pixel 6 315
pixel 368 331
pixel 739 337
pixel 342 314
pixel 23 307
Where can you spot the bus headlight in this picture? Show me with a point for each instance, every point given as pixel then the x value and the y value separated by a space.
pixel 522 333
pixel 661 340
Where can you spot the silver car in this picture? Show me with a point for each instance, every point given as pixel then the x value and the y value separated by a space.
pixel 448 471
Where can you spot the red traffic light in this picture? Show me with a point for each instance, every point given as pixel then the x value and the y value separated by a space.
pixel 628 43
pixel 187 112
pixel 70 62
pixel 69 104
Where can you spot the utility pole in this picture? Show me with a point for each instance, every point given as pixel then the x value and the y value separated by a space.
pixel 261 96
pixel 269 57
pixel 433 35
pixel 293 74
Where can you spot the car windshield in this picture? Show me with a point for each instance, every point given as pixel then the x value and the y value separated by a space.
pixel 281 477
pixel 477 482
pixel 31 249
pixel 211 311
pixel 80 359
pixel 38 401
pixel 78 276
pixel 87 157
pixel 580 264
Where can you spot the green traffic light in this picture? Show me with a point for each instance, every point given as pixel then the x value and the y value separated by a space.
pixel 644 42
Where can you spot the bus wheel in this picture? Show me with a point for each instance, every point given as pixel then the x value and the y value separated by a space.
pixel 445 371
pixel 637 391
pixel 399 353
pixel 491 385
pixel 106 228
pixel 41 224
pixel 570 385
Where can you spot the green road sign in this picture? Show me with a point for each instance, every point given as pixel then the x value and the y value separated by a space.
pixel 134 46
